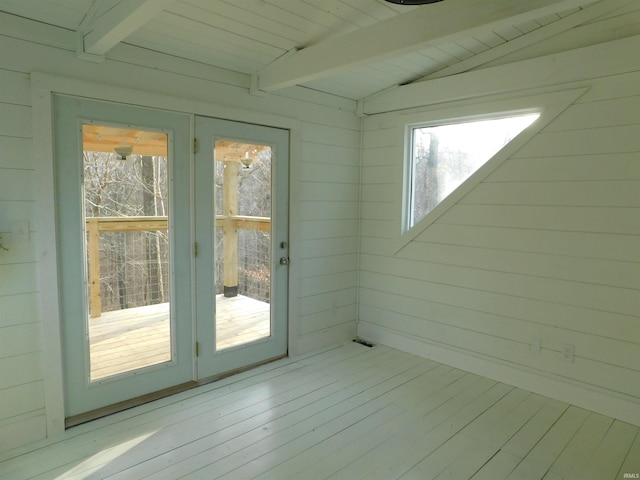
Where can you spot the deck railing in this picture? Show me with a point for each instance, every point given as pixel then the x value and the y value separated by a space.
pixel 97 225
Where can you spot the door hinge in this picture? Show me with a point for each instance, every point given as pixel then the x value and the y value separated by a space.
pixel 197 349
pixel 195 249
pixel 195 145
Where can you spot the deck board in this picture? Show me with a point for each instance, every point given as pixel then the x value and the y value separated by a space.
pixel 346 413
pixel 133 338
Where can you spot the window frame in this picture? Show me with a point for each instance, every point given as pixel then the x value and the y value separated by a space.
pixel 409 163
pixel 548 102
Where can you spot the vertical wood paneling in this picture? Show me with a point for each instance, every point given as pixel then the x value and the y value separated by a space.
pixel 550 236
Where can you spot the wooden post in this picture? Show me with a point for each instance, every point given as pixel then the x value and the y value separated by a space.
pixel 93 252
pixel 230 241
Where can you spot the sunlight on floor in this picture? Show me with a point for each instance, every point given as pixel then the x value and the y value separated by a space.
pixel 94 463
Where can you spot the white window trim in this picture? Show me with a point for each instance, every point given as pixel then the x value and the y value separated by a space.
pixel 549 104
pixel 409 154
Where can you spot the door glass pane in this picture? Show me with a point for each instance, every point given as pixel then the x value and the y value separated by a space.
pixel 242 242
pixel 126 199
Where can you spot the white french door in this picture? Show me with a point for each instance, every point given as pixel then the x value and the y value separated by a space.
pixel 242 199
pixel 123 182
pixel 172 270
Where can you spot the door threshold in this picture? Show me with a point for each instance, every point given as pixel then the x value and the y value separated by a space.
pixel 235 371
pixel 150 397
pixel 125 405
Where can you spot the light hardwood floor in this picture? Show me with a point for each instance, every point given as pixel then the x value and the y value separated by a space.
pixel 134 338
pixel 346 413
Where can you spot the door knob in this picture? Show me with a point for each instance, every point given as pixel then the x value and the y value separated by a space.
pixel 284 261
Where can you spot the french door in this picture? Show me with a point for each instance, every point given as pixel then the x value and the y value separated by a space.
pixel 241 217
pixel 159 287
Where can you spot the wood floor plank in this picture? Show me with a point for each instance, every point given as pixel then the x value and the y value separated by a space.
pixel 498 467
pixel 491 434
pixel 439 459
pixel 330 465
pixel 347 413
pixel 631 464
pixel 501 464
pixel 399 453
pixel 209 444
pixel 411 457
pixel 211 422
pixel 362 459
pixel 216 421
pixel 324 458
pixel 608 458
pixel 296 426
pixel 538 461
pixel 430 380
pixel 581 447
pixel 464 450
pixel 525 440
pixel 176 410
pixel 468 462
pixel 334 452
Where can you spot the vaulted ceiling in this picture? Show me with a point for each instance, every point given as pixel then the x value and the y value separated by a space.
pixel 350 48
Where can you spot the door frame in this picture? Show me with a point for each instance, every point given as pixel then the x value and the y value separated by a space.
pixel 43 87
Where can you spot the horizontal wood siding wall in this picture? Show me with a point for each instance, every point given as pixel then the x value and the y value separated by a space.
pixel 21 377
pixel 324 198
pixel 547 248
pixel 328 229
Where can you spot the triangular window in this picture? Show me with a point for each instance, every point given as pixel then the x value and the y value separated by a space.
pixel 444 156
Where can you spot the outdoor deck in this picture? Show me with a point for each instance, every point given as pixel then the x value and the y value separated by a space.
pixel 125 340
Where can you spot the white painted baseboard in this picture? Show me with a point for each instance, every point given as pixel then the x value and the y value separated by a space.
pixel 574 393
pixel 322 339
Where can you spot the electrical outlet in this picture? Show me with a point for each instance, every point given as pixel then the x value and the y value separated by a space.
pixel 535 345
pixel 568 352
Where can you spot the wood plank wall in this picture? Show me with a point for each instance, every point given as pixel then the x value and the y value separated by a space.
pixel 546 248
pixel 21 379
pixel 324 195
pixel 328 230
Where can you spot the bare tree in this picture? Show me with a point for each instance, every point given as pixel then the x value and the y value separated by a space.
pixel 136 187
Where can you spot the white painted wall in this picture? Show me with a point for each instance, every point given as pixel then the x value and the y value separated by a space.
pixel 21 384
pixel 324 196
pixel 546 247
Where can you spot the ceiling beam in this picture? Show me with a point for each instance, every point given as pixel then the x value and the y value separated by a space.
pixel 418 29
pixel 616 57
pixel 580 17
pixel 96 36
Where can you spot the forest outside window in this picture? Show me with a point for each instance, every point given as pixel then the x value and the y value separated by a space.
pixel 444 156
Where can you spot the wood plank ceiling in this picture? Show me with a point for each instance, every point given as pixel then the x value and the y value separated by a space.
pixel 349 48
